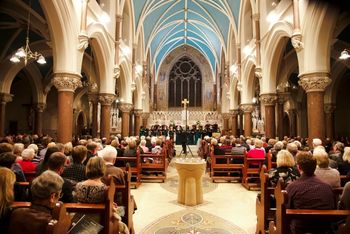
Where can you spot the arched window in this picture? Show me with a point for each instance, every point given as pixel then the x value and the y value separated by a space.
pixel 185 81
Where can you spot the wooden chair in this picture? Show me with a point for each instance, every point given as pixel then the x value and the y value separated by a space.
pixel 251 172
pixel 284 215
pixel 151 164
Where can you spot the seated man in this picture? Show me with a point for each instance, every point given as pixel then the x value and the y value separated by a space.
pixel 76 170
pixel 309 192
pixel 46 190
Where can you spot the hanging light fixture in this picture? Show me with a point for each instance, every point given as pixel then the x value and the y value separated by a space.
pixel 25 52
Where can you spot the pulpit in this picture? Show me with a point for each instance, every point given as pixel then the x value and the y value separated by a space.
pixel 190 170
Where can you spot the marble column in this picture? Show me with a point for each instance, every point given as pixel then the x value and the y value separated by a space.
pixel 93 99
pixel 247 116
pixel 66 84
pixel 280 112
pixel 225 117
pixel 293 122
pixel 145 117
pixel 269 100
pixel 138 121
pixel 234 119
pixel 329 112
pixel 106 100
pixel 38 127
pixel 4 99
pixel 125 108
pixel 315 84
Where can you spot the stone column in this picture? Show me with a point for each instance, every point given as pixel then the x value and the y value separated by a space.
pixel 39 118
pixel 4 98
pixel 106 100
pixel 125 108
pixel 315 84
pixel 93 99
pixel 225 117
pixel 329 111
pixel 247 112
pixel 293 122
pixel 234 116
pixel 145 117
pixel 280 109
pixel 66 84
pixel 138 121
pixel 269 101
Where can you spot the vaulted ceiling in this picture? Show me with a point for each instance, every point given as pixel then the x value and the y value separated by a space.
pixel 202 24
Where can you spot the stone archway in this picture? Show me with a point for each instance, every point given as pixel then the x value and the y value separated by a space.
pixel 80 126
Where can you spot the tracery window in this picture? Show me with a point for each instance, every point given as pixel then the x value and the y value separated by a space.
pixel 185 81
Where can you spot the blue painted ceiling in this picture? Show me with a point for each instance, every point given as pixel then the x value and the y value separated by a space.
pixel 202 24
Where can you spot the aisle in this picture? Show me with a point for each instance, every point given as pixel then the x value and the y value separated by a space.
pixel 229 201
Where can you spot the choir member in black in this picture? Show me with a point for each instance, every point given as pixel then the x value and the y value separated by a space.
pixel 197 134
pixel 171 131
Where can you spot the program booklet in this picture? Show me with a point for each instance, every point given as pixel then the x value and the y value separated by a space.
pixel 83 224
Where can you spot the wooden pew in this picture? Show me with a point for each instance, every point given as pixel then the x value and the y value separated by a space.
pixel 127 200
pixel 152 163
pixel 251 171
pixel 135 165
pixel 222 167
pixel 284 215
pixel 105 210
pixel 263 210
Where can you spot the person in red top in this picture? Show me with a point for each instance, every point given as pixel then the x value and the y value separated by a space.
pixel 27 164
pixel 258 151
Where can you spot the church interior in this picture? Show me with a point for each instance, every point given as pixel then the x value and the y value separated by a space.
pixel 272 69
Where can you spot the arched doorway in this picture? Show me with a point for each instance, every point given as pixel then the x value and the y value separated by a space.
pixel 286 125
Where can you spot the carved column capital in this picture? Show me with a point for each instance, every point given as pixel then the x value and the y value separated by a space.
pixel 137 112
pixel 314 82
pixel 226 115
pixel 83 41
pixel 234 111
pixel 116 72
pixel 145 115
pixel 6 97
pixel 329 108
pixel 125 107
pixel 247 108
pixel 297 42
pixel 93 97
pixel 67 81
pixel 106 99
pixel 40 107
pixel 258 72
pixel 268 99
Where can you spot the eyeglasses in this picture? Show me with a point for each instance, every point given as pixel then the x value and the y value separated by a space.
pixel 59 195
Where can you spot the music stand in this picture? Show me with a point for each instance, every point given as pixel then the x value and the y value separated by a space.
pixel 185 102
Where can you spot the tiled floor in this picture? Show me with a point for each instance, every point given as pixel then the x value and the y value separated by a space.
pixel 229 201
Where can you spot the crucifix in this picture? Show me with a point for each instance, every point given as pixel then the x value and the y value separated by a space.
pixel 185 102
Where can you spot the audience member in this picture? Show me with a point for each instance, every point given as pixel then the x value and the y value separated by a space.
pixel 344 166
pixel 36 159
pixel 76 170
pixel 26 163
pixel 109 155
pixel 8 159
pixel 7 181
pixel 285 170
pixel 327 174
pixel 309 192
pixel 46 190
pixel 43 165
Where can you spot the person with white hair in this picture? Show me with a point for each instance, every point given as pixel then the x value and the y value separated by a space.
pixel 316 142
pixel 109 155
pixel 37 158
pixel 26 163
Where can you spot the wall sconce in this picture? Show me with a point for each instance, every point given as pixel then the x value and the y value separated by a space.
pixel 344 54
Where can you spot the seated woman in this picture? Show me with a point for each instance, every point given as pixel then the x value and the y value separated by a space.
pixel 327 174
pixel 143 146
pixel 286 169
pixel 7 181
pixel 46 191
pixel 93 189
pixel 257 152
pixel 27 165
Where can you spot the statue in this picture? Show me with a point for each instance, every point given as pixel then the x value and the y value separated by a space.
pixel 255 118
pixel 261 125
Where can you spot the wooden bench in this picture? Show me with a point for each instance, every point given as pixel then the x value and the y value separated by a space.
pixel 284 215
pixel 264 212
pixel 251 172
pixel 224 167
pixel 153 166
pixel 127 200
pixel 135 166
pixel 105 210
